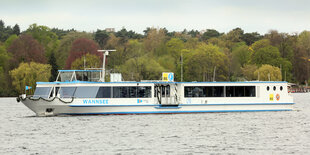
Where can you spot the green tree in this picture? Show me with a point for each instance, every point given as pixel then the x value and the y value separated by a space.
pixel 66 44
pixel 91 61
pixel 168 62
pixel 194 33
pixel 16 30
pixel 154 41
pixel 45 36
pixel 5 32
pixel 241 54
pixel 61 33
pixel 250 38
pixel 134 49
pixel 191 43
pixel 10 40
pixel 220 42
pixel 266 55
pixel 301 57
pixel 125 35
pixel 4 57
pixel 283 41
pixel 28 74
pixel 235 35
pixel 260 44
pixel 101 37
pixel 210 33
pixel 144 68
pixel 248 72
pixel 240 57
pixel 174 47
pixel 54 69
pixel 118 58
pixel 4 82
pixel 113 42
pixel 200 64
pixel 268 73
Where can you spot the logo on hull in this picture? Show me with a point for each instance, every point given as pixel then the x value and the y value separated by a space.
pixel 271 97
pixel 95 101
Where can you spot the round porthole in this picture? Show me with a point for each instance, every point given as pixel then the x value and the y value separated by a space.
pixel 274 88
pixel 268 88
pixel 281 88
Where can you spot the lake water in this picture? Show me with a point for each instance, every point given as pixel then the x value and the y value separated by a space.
pixel 285 132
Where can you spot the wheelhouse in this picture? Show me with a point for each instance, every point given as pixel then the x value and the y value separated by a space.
pixel 78 75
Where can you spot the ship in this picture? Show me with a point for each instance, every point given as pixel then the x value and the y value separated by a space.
pixel 85 92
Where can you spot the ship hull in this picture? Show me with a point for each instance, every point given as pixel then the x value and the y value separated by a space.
pixel 46 108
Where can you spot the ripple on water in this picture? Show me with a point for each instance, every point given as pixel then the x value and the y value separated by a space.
pixel 228 133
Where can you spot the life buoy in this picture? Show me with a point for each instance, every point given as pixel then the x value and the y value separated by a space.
pixel 278 97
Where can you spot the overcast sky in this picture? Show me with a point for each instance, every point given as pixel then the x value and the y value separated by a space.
pixel 223 15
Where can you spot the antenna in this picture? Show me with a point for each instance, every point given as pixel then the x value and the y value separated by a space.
pixel 105 53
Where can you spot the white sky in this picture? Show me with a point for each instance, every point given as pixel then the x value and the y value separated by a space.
pixel 223 15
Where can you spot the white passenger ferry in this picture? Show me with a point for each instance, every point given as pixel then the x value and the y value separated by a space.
pixel 84 92
pixel 80 92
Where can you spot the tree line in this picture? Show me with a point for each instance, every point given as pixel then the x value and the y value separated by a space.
pixel 38 52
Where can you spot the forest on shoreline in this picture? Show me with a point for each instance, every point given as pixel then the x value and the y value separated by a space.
pixel 38 52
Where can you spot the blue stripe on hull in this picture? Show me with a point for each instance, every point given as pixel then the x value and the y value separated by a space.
pixel 183 104
pixel 170 112
pixel 167 107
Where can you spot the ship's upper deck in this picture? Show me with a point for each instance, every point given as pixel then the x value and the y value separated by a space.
pixel 78 75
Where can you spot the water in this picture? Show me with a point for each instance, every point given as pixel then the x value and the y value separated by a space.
pixel 211 133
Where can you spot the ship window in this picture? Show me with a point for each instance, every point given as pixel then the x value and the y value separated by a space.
pixel 43 92
pixel 86 92
pixel 188 91
pixel 281 88
pixel 218 91
pixel 204 91
pixel 209 91
pixel 65 76
pixel 230 91
pixel 52 93
pixel 104 92
pixel 67 92
pixel 268 88
pixel 131 92
pixel 198 92
pixel 124 92
pixel 240 91
pixel 274 88
pixel 144 92
pixel 250 91
pixel 120 92
pixel 116 92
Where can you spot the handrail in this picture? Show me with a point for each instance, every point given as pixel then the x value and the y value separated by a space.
pixel 30 97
